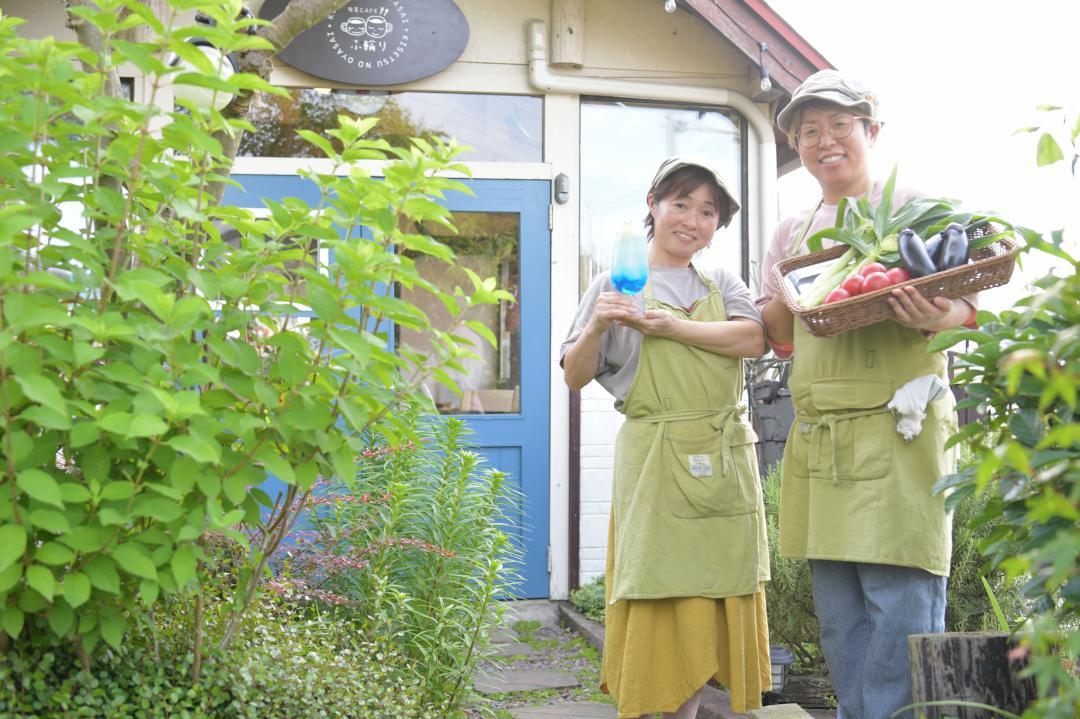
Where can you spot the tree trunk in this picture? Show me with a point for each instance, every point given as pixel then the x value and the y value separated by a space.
pixel 970 667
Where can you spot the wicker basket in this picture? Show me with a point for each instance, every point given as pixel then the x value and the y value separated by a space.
pixel 990 266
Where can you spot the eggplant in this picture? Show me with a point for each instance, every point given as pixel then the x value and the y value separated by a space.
pixel 933 248
pixel 913 253
pixel 954 247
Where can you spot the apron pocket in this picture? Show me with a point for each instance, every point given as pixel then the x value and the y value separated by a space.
pixel 863 445
pixel 702 482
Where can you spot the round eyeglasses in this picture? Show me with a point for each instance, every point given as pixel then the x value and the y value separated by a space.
pixel 839 127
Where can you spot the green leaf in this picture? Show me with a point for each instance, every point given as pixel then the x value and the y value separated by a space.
pixel 117 490
pixel 40 486
pixel 50 520
pixel 159 508
pixel 147 425
pixel 42 391
pixel 12 544
pixel 61 619
pixel 1027 426
pixel 11 621
pixel 41 580
pixel 10 577
pixel 135 560
pixel 149 591
pixel 103 575
pixel 116 422
pixel 76 589
pixel 84 433
pixel 195 447
pixel 276 465
pixel 112 630
pixel 1048 151
pixel 73 493
pixel 53 553
pixel 320 142
pixel 183 565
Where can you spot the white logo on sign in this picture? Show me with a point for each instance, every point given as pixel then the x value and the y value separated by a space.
pixel 369 44
pixel 375 27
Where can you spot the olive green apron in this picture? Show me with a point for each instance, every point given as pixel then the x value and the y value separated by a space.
pixel 852 488
pixel 686 503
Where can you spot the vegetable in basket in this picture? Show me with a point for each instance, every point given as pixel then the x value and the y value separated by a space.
pixel 873 235
pixel 913 253
pixel 954 245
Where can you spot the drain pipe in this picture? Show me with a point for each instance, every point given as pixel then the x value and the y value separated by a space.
pixel 542 78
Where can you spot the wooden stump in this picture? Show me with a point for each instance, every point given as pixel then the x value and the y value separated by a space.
pixel 967 666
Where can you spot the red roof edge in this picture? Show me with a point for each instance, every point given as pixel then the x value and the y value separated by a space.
pixel 797 41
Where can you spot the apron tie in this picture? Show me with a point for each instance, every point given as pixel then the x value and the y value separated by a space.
pixel 721 420
pixel 828 421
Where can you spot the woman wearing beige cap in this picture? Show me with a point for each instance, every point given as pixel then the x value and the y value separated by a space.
pixel 856 497
pixel 686 546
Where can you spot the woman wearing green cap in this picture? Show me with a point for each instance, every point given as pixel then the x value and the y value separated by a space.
pixel 856 496
pixel 686 545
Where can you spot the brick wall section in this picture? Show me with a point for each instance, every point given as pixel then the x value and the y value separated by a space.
pixel 599 425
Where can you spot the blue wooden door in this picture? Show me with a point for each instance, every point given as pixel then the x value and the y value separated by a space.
pixel 506 395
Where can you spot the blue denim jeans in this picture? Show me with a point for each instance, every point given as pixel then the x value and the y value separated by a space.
pixel 867 612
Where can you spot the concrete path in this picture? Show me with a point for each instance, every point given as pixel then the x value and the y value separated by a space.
pixel 518 664
pixel 515 667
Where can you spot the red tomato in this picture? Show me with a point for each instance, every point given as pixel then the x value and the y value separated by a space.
pixel 872 267
pixel 876 281
pixel 853 285
pixel 836 295
pixel 898 275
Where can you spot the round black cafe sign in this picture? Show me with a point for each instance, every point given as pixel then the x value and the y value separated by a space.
pixel 378 42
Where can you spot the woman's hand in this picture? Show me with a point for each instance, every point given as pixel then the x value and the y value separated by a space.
pixel 612 307
pixel 915 311
pixel 655 323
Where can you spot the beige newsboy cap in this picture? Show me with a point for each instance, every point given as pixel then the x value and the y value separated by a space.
pixel 830 86
pixel 678 162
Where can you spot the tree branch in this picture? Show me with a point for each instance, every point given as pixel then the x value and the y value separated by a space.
pixel 298 16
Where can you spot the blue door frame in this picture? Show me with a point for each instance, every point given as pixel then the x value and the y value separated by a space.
pixel 517 444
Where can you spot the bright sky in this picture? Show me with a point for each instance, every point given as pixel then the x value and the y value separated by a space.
pixel 956 78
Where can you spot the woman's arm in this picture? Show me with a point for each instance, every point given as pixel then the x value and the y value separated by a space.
pixel 581 361
pixel 779 322
pixel 737 337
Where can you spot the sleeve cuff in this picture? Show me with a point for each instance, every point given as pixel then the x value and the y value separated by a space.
pixel 970 322
pixel 783 350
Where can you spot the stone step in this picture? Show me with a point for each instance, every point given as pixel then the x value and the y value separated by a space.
pixel 780 711
pixel 520 680
pixel 566 710
pixel 512 649
pixel 502 635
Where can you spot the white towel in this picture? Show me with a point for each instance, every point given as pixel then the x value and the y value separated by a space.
pixel 909 403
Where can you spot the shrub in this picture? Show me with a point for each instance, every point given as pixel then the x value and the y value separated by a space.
pixel 415 553
pixel 589 599
pixel 789 596
pixel 968 607
pixel 153 371
pixel 281 665
pixel 1021 371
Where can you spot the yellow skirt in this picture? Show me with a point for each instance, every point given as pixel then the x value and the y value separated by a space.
pixel 659 652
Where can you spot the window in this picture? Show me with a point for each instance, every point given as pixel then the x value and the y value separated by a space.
pixel 622 144
pixel 488 243
pixel 498 128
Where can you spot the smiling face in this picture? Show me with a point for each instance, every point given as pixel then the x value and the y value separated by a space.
pixel 684 222
pixel 841 166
